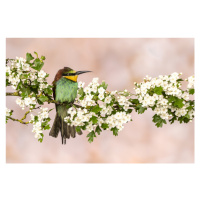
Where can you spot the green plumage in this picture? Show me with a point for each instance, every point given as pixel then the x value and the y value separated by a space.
pixel 65 91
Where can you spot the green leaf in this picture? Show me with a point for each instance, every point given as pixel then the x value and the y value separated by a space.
pixel 38 64
pixel 96 109
pixel 7 82
pixel 98 130
pixel 172 120
pixel 25 92
pixel 48 91
pixel 153 107
pixel 183 119
pixel 129 111
pixel 140 109
pixel 94 119
pixel 158 90
pixel 91 136
pixel 29 57
pixel 134 101
pixel 24 76
pixel 125 93
pixel 180 79
pixel 104 126
pixel 19 85
pixel 36 54
pixel 81 92
pixel 78 129
pixel 178 103
pixel 84 127
pixel 41 139
pixel 43 58
pixel 191 91
pixel 172 99
pixel 81 98
pixel 190 108
pixel 187 116
pixel 47 127
pixel 43 98
pixel 115 131
pixel 36 118
pixel 95 98
pixel 104 85
pixel 44 124
pixel 158 120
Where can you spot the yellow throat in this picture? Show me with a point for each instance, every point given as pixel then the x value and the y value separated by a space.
pixel 72 78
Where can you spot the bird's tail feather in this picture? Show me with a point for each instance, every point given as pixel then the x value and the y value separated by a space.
pixel 65 129
pixel 56 126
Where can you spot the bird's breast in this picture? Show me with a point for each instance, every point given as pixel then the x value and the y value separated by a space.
pixel 66 90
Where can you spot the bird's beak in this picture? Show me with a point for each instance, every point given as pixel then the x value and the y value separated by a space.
pixel 81 72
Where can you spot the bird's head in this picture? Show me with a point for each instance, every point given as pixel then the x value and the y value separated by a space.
pixel 71 74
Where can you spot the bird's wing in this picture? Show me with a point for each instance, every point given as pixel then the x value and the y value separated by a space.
pixel 54 90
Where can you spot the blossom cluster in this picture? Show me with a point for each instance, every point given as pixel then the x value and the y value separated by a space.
pixel 28 102
pixel 100 109
pixel 190 82
pixel 28 79
pixel 165 97
pixel 40 123
pixel 20 71
pixel 8 112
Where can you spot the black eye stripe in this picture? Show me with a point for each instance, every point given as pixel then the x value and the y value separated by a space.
pixel 69 74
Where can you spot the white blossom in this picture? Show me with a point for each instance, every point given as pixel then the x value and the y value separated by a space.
pixel 87 90
pixel 43 86
pixel 37 136
pixel 95 80
pixel 190 82
pixel 89 127
pixel 25 67
pixel 114 92
pixel 81 84
pixel 101 96
pixel 8 112
pixel 101 90
pixel 32 76
pixel 108 99
pixel 41 74
pixel 8 69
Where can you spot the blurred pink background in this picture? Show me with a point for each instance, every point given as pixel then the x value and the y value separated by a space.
pixel 120 62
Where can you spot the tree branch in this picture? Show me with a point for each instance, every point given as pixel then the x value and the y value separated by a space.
pixel 49 101
pixel 12 94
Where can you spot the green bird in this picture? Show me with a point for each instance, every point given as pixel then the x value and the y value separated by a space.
pixel 65 88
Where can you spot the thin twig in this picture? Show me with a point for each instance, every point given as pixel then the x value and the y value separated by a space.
pixel 12 94
pixel 18 120
pixel 26 113
pixel 21 120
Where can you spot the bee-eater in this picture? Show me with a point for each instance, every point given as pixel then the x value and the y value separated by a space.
pixel 65 88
